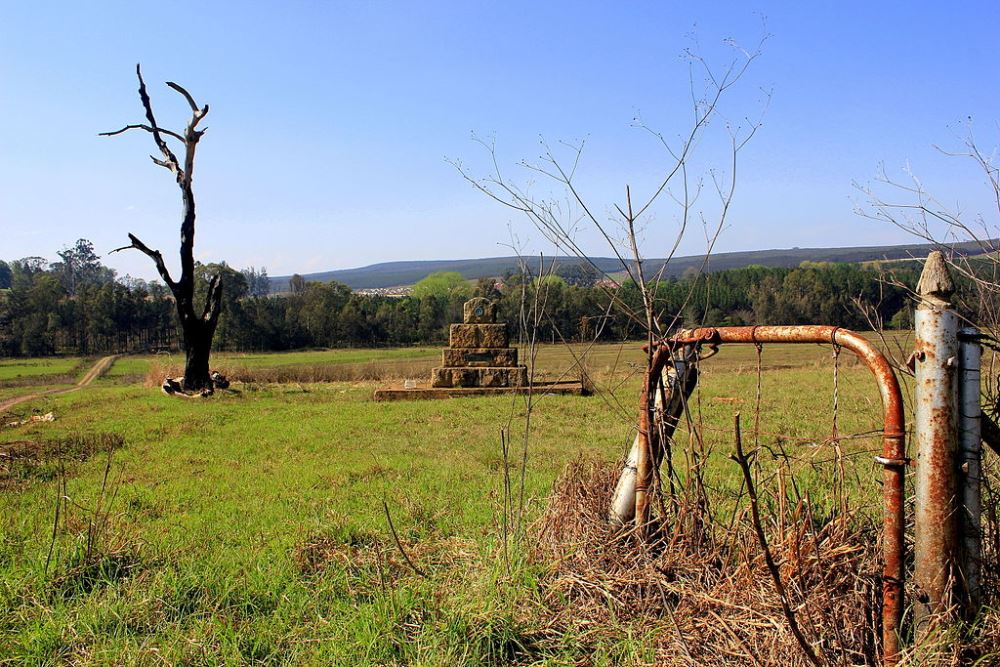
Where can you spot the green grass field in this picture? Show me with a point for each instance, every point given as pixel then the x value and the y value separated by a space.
pixel 348 356
pixel 13 371
pixel 320 365
pixel 249 528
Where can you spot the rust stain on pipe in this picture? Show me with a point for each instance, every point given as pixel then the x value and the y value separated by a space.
pixel 650 449
pixel 893 457
pixel 936 409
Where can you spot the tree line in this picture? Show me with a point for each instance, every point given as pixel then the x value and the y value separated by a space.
pixel 77 305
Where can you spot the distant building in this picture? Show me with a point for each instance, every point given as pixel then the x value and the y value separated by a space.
pixel 390 292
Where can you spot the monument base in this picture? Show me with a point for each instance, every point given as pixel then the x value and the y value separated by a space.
pixel 479 376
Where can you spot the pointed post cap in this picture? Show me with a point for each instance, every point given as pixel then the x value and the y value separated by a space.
pixel 935 279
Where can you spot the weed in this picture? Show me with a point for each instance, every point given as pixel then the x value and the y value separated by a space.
pixel 24 461
pixel 83 574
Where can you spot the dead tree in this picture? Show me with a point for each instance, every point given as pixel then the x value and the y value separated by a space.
pixel 198 329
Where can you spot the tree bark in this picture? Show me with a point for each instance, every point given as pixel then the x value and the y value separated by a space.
pixel 198 333
pixel 197 348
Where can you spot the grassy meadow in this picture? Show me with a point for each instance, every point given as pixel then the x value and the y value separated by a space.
pixel 253 527
pixel 49 371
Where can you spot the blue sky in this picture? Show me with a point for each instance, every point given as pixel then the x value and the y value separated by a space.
pixel 331 122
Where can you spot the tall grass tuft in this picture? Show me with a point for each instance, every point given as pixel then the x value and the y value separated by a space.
pixel 90 546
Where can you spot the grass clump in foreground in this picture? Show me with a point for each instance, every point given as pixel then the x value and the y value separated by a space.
pixel 699 592
pixel 250 527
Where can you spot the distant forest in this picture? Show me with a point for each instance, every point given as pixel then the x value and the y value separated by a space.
pixel 392 274
pixel 79 306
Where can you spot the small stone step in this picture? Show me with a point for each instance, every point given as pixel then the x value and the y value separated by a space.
pixel 486 376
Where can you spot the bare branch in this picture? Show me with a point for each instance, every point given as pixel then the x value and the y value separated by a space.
pixel 155 129
pixel 399 545
pixel 213 299
pixel 147 128
pixel 187 96
pixel 744 462
pixel 155 255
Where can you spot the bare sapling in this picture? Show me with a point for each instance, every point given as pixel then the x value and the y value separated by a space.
pixel 676 196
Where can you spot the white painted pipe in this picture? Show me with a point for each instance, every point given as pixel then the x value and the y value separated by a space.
pixel 969 466
pixel 623 500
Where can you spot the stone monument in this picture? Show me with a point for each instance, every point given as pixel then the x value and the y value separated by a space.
pixel 478 352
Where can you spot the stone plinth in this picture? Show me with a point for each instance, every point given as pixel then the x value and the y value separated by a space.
pixel 478 335
pixel 479 352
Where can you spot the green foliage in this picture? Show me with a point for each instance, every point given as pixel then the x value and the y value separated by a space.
pixel 551 281
pixel 258 284
pixel 443 285
pixel 579 273
pixel 76 305
pixel 80 266
pixel 406 273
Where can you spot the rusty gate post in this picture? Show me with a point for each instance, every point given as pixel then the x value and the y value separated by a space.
pixel 936 407
pixel 970 446
pixel 679 373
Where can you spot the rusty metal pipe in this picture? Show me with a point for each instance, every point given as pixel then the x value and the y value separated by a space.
pixel 679 374
pixel 623 499
pixel 935 436
pixel 893 457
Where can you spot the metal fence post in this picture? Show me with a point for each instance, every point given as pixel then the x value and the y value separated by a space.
pixel 970 447
pixel 936 412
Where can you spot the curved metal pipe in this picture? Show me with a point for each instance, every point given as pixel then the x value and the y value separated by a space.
pixel 893 457
pixel 681 379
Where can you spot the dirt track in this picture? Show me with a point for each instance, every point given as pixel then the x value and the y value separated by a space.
pixel 99 369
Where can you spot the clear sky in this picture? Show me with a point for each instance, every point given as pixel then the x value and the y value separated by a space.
pixel 331 122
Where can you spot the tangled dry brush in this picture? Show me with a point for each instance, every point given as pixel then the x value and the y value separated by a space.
pixel 703 595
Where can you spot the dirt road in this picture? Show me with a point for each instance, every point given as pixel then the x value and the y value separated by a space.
pixel 99 369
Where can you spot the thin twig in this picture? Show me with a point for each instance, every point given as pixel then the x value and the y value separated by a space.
pixel 744 464
pixel 399 545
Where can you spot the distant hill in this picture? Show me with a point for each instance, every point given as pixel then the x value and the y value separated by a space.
pixel 391 274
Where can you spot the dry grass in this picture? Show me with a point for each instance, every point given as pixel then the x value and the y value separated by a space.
pixel 370 371
pixel 369 562
pixel 703 591
pixel 25 461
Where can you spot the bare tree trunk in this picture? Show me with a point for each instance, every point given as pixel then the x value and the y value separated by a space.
pixel 197 348
pixel 198 336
